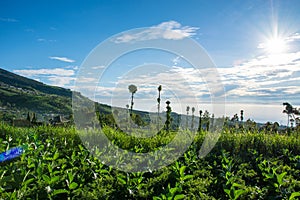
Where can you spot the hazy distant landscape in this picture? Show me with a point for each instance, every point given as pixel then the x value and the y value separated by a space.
pixel 46 158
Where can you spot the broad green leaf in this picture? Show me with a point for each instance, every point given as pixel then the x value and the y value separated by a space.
pixel 73 185
pixel 31 165
pixel 280 177
pixel 70 176
pixel 56 155
pixel 293 195
pixel 60 191
pixel 104 171
pixel 173 190
pixel 46 178
pixel 50 168
pixel 237 185
pixel 186 177
pixel 39 170
pixel 238 193
pixel 28 181
pixel 182 169
pixel 227 192
pixel 269 176
pixel 80 147
pixel 54 179
pixel 179 196
pixel 122 180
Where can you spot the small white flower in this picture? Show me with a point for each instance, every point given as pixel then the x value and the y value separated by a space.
pixel 130 191
pixel 48 189
pixel 95 175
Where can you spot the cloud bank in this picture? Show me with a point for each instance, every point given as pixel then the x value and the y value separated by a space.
pixel 170 30
pixel 63 59
pixel 57 76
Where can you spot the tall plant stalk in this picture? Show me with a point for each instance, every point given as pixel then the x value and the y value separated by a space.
pixel 187 115
pixel 132 90
pixel 193 117
pixel 158 106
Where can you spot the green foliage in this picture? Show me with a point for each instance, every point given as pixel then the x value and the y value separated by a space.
pixel 56 165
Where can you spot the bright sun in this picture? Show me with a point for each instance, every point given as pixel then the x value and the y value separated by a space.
pixel 275 45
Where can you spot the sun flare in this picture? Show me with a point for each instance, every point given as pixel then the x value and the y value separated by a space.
pixel 275 45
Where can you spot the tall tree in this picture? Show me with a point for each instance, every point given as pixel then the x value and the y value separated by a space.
pixel 200 121
pixel 187 115
pixel 291 112
pixel 158 99
pixel 242 115
pixel 128 118
pixel 206 117
pixel 168 120
pixel 34 119
pixel 28 117
pixel 193 117
pixel 158 106
pixel 132 89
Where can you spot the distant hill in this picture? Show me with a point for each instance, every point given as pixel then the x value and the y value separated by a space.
pixel 18 81
pixel 18 93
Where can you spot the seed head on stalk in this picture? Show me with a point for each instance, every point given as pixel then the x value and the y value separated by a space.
pixel 193 117
pixel 132 90
pixel 158 99
pixel 187 114
pixel 200 121
pixel 158 105
pixel 168 121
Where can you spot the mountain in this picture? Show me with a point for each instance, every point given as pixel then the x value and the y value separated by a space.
pixel 19 94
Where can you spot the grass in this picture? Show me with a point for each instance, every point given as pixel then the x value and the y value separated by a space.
pixel 242 165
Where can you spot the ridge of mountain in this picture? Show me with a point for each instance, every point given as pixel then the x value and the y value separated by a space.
pixel 19 95
pixel 18 81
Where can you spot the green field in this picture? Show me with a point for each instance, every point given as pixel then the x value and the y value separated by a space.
pixel 242 165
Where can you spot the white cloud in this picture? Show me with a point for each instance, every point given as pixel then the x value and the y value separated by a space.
pixel 171 30
pixel 8 19
pixel 61 81
pixel 98 67
pixel 72 67
pixel 87 80
pixel 57 76
pixel 266 78
pixel 36 72
pixel 64 59
pixel 41 40
pixel 285 40
pixel 45 40
pixel 294 37
pixel 176 60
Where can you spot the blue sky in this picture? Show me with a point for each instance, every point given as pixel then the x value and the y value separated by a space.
pixel 254 44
